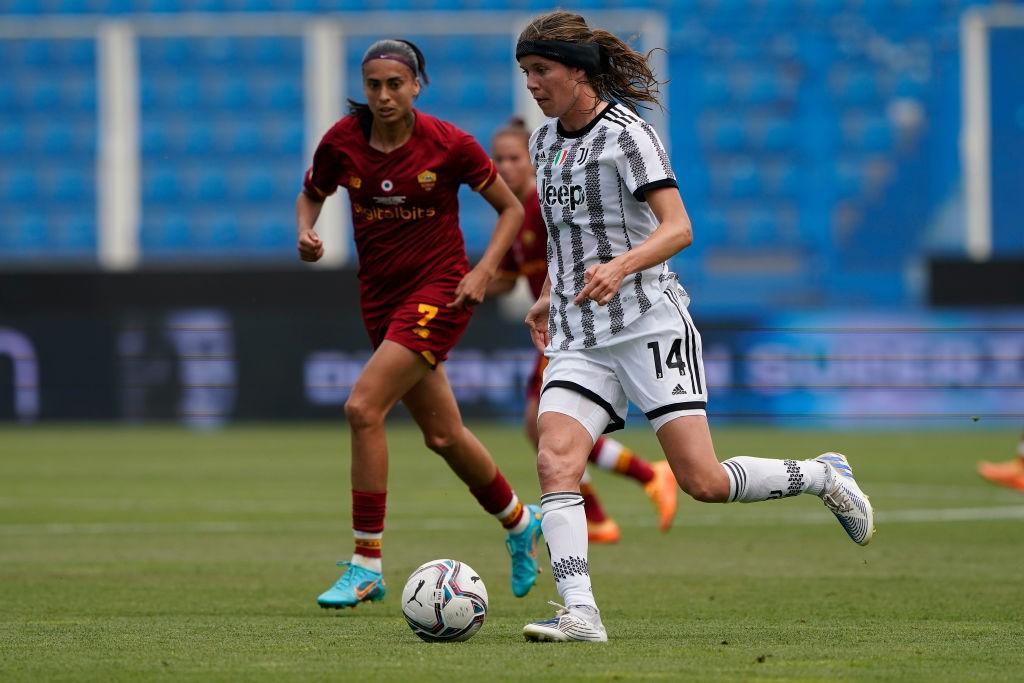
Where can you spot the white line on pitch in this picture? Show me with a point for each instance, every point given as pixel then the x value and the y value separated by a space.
pixel 911 516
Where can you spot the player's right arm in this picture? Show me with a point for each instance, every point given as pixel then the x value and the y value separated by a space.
pixel 320 183
pixel 537 317
pixel 307 210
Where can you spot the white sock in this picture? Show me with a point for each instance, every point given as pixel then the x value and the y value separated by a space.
pixel 513 509
pixel 372 540
pixel 565 531
pixel 756 479
pixel 608 456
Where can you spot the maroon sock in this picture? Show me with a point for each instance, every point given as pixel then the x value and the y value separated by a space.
pixel 368 509
pixel 500 500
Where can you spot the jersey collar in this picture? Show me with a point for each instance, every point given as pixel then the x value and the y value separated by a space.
pixel 587 128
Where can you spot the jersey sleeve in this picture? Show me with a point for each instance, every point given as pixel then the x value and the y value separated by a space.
pixel 321 179
pixel 474 166
pixel 642 161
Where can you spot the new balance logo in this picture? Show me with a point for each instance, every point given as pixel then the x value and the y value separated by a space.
pixel 678 390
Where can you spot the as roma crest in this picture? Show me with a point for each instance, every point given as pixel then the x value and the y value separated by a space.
pixel 427 180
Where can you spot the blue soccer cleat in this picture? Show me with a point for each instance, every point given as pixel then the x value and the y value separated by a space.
pixel 844 498
pixel 523 549
pixel 355 585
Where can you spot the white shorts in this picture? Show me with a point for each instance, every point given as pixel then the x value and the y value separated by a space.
pixel 659 367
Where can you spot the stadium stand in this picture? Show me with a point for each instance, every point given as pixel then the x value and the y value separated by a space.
pixel 782 125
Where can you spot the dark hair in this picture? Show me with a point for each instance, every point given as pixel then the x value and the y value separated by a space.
pixel 515 127
pixel 625 75
pixel 400 50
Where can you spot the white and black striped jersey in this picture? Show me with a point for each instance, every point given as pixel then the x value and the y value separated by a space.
pixel 591 184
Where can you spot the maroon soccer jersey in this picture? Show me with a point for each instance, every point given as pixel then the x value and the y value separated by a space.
pixel 405 207
pixel 529 253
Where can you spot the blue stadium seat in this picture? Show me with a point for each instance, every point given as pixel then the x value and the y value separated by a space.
pixel 779 135
pixel 199 138
pixel 22 187
pixel 286 138
pixel 37 52
pixel 30 232
pixel 234 94
pixel 744 179
pixel 728 134
pixel 167 232
pixel 246 139
pixel 211 186
pixel 161 185
pixel 154 139
pixel 12 138
pixel 187 93
pixel 43 95
pixel 713 88
pixel 257 186
pixel 877 135
pixel 76 233
pixel 71 186
pixel 275 231
pixel 763 88
pixel 223 231
pixel 285 93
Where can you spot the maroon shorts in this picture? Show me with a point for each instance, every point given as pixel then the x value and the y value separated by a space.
pixel 536 377
pixel 422 322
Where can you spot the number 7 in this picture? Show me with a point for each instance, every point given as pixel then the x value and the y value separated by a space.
pixel 428 312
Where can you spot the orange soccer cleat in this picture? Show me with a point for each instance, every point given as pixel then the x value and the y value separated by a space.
pixel 1009 474
pixel 663 491
pixel 606 531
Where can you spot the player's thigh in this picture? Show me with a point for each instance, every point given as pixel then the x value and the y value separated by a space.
pixel 432 404
pixel 583 385
pixel 390 373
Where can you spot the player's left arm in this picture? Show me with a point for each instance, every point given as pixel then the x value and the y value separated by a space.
pixel 673 234
pixel 473 287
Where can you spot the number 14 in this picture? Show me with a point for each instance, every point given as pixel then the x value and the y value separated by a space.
pixel 674 359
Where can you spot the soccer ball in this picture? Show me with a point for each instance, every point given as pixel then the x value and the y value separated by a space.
pixel 444 600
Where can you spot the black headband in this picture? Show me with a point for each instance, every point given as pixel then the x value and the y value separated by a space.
pixel 586 56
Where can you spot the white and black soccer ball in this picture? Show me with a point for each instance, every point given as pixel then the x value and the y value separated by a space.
pixel 444 600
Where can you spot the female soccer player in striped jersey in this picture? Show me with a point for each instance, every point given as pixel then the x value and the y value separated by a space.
pixel 528 258
pixel 402 169
pixel 613 319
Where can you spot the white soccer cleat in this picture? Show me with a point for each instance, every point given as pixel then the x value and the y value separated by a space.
pixel 844 498
pixel 577 623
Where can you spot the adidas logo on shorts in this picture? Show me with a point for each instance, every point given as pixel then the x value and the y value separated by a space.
pixel 678 390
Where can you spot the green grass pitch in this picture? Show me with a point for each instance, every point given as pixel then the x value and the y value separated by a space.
pixel 157 553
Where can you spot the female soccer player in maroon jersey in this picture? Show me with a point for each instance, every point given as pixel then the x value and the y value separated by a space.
pixel 528 258
pixel 402 169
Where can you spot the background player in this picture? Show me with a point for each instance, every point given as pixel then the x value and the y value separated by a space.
pixel 528 258
pixel 1009 473
pixel 402 169
pixel 612 317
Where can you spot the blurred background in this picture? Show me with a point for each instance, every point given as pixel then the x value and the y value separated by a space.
pixel 852 169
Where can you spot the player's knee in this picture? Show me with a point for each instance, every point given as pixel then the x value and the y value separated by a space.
pixel 706 489
pixel 555 469
pixel 361 414
pixel 440 441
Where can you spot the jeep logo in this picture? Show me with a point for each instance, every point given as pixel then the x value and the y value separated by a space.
pixel 566 195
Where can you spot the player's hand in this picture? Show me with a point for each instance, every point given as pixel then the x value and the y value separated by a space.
pixel 471 290
pixel 537 321
pixel 602 282
pixel 310 246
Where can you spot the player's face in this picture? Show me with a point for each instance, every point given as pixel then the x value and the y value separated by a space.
pixel 513 162
pixel 390 88
pixel 552 84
